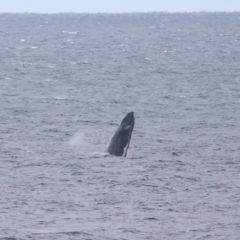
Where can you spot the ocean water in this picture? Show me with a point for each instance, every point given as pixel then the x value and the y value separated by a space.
pixel 66 82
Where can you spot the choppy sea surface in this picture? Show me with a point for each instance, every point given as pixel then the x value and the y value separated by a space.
pixel 66 82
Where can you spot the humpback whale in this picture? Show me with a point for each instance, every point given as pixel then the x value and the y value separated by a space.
pixel 120 141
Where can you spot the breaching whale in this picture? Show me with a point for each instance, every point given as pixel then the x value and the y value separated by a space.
pixel 120 141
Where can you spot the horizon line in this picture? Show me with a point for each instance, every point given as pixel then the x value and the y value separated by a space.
pixel 137 12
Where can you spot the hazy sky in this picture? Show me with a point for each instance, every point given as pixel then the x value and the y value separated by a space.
pixel 118 6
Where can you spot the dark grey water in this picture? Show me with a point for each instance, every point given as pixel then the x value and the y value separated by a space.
pixel 67 80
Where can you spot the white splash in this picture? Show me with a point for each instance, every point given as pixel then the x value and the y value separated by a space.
pixel 77 139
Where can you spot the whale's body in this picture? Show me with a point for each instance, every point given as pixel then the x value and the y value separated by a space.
pixel 120 141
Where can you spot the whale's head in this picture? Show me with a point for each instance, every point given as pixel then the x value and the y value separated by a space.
pixel 128 122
